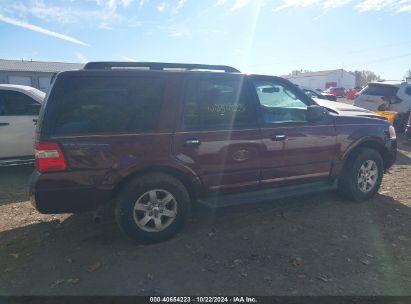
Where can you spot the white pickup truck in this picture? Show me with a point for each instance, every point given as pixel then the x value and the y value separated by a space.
pixel 19 109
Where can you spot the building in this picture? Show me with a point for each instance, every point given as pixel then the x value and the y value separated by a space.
pixel 323 79
pixel 32 73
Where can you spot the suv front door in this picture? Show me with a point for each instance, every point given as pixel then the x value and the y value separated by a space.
pixel 219 137
pixel 296 150
pixel 18 113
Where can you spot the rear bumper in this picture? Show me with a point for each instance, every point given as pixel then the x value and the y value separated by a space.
pixel 53 193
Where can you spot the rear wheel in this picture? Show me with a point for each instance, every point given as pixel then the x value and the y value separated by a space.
pixel 152 208
pixel 362 175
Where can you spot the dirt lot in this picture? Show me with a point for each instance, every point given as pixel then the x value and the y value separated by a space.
pixel 317 245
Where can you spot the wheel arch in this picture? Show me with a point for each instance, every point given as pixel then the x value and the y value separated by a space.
pixel 370 144
pixel 190 181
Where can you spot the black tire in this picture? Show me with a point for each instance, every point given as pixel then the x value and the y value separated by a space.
pixel 348 184
pixel 135 189
pixel 400 122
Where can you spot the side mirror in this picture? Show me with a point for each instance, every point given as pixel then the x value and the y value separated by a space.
pixel 315 113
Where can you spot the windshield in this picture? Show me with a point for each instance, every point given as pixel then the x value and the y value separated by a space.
pixel 380 90
pixel 310 93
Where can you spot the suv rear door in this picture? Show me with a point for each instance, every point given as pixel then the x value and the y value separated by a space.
pixel 294 149
pixel 219 137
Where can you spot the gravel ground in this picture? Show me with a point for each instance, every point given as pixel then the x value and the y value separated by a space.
pixel 316 245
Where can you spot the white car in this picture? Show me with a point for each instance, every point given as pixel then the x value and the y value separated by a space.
pixel 19 109
pixel 387 96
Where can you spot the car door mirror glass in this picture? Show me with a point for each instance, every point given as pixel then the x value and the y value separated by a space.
pixel 315 113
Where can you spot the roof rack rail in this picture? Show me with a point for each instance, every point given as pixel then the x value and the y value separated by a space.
pixel 158 66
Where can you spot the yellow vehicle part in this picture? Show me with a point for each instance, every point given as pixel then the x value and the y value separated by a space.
pixel 390 115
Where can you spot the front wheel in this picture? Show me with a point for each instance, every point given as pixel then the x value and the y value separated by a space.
pixel 152 208
pixel 362 175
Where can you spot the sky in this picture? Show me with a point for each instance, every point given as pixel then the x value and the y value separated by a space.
pixel 270 37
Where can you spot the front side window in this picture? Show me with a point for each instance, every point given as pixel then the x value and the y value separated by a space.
pixel 93 105
pixel 217 103
pixel 279 103
pixel 14 103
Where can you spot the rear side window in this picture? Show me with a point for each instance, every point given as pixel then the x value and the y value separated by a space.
pixel 95 105
pixel 380 90
pixel 218 103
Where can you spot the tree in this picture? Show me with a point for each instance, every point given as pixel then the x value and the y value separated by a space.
pixel 296 72
pixel 408 74
pixel 362 78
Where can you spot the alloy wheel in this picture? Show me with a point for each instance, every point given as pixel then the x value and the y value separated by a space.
pixel 367 176
pixel 155 210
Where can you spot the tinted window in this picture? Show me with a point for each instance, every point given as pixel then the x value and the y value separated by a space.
pixel 310 93
pixel 380 90
pixel 217 103
pixel 14 103
pixel 408 91
pixel 90 105
pixel 279 103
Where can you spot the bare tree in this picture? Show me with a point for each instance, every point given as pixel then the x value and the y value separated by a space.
pixel 408 74
pixel 296 72
pixel 362 78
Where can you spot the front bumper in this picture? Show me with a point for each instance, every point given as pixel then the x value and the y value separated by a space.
pixel 53 193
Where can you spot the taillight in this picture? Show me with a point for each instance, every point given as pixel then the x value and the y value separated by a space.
pixel 49 157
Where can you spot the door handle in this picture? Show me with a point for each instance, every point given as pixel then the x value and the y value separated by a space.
pixel 280 137
pixel 4 123
pixel 35 120
pixel 193 142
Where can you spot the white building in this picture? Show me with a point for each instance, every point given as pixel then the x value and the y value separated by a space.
pixel 32 73
pixel 323 79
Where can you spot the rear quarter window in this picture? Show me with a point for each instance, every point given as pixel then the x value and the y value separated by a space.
pixel 96 105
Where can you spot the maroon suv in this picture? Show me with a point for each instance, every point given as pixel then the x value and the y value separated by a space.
pixel 152 139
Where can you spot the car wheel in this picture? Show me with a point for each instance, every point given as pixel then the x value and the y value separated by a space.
pixel 152 208
pixel 362 175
